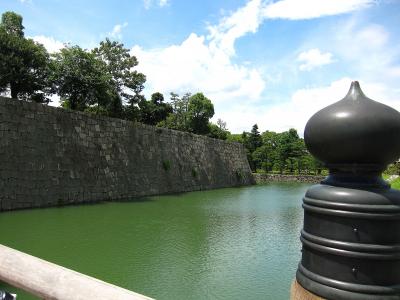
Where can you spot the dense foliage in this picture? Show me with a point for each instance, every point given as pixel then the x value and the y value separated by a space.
pixel 393 169
pixel 192 113
pixel 283 152
pixel 100 81
pixel 80 78
pixel 24 68
pixel 155 110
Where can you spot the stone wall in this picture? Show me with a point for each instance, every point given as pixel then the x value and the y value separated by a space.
pixel 51 156
pixel 265 178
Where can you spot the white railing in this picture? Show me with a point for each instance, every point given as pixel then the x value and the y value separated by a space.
pixel 50 281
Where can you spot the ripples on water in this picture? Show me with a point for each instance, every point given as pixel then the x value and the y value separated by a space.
pixel 236 243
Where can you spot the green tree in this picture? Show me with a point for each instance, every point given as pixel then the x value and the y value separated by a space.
pixel 81 79
pixel 200 111
pixel 24 67
pixel 289 149
pixel 251 141
pixel 249 153
pixel 393 169
pixel 157 98
pixel 234 137
pixel 12 24
pixel 178 120
pixel 124 81
pixel 217 132
pixel 155 110
pixel 254 139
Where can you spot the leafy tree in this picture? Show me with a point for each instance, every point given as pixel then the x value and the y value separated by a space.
pixel 310 164
pixel 217 132
pixel 251 141
pixel 235 138
pixel 81 79
pixel 254 139
pixel 155 110
pixel 282 152
pixel 191 113
pixel 157 98
pixel 114 106
pixel 200 111
pixel 393 169
pixel 12 24
pixel 124 81
pixel 259 157
pixel 23 63
pixel 288 149
pixel 178 120
pixel 249 149
pixel 270 138
pixel 97 110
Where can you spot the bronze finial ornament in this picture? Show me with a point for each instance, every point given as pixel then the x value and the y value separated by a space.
pixel 351 233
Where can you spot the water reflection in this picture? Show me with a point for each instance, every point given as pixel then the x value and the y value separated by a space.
pixel 237 243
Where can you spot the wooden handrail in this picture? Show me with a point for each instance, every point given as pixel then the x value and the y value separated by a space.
pixel 50 281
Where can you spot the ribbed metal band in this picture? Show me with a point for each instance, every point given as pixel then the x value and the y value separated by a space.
pixel 351 214
pixel 347 253
pixel 358 247
pixel 333 289
pixel 353 207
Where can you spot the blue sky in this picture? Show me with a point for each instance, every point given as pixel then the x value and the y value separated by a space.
pixel 273 63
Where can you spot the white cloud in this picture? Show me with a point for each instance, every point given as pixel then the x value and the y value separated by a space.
pixel 161 3
pixel 194 66
pixel 309 9
pixel 366 52
pixel 245 20
pixel 117 30
pixel 314 58
pixel 205 63
pixel 146 4
pixel 51 44
pixel 248 18
pixel 302 105
pixel 366 47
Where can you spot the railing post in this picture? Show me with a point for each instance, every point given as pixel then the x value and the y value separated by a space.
pixel 351 234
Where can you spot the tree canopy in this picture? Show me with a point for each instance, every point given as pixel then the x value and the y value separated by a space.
pixel 24 68
pixel 283 152
pixel 192 113
pixel 80 78
pixel 200 111
pixel 12 23
pixel 124 81
pixel 154 111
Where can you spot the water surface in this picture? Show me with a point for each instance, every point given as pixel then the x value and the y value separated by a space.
pixel 236 243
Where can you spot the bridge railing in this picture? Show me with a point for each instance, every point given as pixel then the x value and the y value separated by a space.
pixel 50 281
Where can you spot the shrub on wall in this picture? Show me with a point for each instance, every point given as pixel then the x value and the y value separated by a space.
pixel 239 175
pixel 194 173
pixel 166 165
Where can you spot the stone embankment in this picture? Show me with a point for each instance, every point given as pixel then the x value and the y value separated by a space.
pixel 265 178
pixel 52 156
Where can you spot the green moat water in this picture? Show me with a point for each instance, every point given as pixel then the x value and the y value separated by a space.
pixel 236 243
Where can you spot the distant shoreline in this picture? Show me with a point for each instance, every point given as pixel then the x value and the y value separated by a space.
pixel 265 178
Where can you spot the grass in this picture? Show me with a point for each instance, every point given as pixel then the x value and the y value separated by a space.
pixel 395 184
